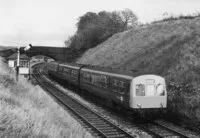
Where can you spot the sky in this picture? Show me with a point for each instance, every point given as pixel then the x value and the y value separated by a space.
pixel 50 22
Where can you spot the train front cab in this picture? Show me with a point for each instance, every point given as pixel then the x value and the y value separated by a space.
pixel 148 91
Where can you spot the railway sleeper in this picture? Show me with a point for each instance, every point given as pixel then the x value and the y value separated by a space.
pixel 91 116
pixel 114 133
pixel 170 135
pixel 74 106
pixel 94 118
pixel 116 136
pixel 98 121
pixel 165 132
pixel 94 121
pixel 162 131
pixel 82 111
pixel 103 126
pixel 91 119
pixel 109 130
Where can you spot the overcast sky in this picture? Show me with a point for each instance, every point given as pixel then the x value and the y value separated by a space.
pixel 50 22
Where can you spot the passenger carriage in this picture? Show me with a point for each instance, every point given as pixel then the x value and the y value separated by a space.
pixel 122 88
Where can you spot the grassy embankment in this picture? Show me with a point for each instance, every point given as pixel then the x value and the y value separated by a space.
pixel 170 49
pixel 27 111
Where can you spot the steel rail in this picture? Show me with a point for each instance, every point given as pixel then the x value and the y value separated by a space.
pixel 178 133
pixel 160 131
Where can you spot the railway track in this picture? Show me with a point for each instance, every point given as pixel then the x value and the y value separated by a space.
pixel 98 125
pixel 163 131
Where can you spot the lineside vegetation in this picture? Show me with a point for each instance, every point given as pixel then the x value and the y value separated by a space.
pixel 27 111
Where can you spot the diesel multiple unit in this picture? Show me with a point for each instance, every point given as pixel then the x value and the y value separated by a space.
pixel 121 88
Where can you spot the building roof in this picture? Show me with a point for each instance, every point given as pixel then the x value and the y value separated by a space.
pixel 22 56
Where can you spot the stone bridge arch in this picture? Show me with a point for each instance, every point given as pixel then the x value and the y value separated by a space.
pixel 57 53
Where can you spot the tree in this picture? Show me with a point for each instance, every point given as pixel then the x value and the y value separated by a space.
pixel 128 18
pixel 89 17
pixel 69 41
pixel 94 28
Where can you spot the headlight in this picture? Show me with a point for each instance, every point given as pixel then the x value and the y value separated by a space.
pixel 160 90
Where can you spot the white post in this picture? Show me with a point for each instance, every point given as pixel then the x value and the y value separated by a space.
pixel 18 62
pixel 18 56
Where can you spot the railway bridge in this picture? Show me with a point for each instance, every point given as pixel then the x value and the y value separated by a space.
pixel 57 53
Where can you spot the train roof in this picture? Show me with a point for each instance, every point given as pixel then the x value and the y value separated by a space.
pixel 73 65
pixel 99 68
pixel 105 69
pixel 111 70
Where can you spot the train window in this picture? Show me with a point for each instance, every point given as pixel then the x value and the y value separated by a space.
pixel 50 67
pixel 105 81
pixel 74 73
pixel 99 80
pixel 121 90
pixel 95 80
pixel 65 70
pixel 60 68
pixel 160 90
pixel 118 86
pixel 53 67
pixel 140 90
pixel 115 82
pixel 121 84
pixel 86 77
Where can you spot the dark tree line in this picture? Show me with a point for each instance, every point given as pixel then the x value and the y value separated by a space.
pixel 94 28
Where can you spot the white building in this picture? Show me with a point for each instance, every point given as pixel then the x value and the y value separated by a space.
pixel 24 64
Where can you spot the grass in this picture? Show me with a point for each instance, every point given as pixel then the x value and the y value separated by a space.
pixel 180 17
pixel 184 104
pixel 169 48
pixel 27 111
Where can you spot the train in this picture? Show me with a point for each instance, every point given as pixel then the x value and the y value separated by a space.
pixel 122 88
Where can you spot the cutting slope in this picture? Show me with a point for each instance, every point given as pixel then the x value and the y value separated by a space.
pixel 170 49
